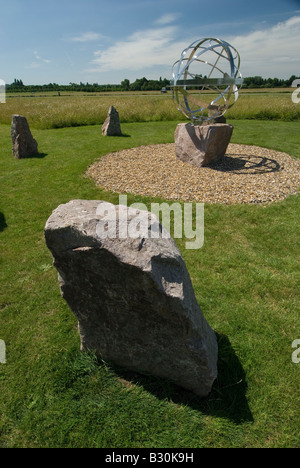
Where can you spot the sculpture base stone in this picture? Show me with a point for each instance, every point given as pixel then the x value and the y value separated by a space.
pixel 201 145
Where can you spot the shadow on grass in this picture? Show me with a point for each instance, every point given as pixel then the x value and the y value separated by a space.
pixel 245 164
pixel 227 398
pixel 36 156
pixel 3 224
pixel 124 135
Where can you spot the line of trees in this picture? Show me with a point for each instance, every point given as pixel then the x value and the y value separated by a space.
pixel 259 82
pixel 141 84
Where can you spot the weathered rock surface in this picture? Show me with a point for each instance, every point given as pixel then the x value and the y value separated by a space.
pixel 212 112
pixel 201 145
pixel 111 126
pixel 24 145
pixel 133 297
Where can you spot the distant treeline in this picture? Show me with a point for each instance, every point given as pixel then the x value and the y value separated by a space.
pixel 141 84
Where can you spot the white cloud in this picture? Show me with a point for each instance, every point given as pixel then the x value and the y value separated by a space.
pixel 40 59
pixel 270 52
pixel 143 49
pixel 167 18
pixel 87 37
pixel 37 63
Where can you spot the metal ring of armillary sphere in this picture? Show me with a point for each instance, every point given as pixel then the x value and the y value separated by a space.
pixel 206 79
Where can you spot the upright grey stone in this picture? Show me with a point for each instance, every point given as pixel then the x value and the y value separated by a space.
pixel 201 145
pixel 24 145
pixel 111 126
pixel 132 296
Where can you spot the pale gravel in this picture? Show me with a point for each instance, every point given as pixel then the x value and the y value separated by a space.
pixel 246 174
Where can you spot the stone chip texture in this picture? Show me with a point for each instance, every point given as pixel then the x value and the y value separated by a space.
pixel 245 175
pixel 133 297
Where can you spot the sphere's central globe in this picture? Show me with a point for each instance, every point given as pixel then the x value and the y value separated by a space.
pixel 206 79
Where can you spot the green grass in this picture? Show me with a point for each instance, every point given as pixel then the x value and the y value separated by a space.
pixel 76 109
pixel 246 279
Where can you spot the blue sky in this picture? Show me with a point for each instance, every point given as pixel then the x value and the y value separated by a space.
pixel 105 41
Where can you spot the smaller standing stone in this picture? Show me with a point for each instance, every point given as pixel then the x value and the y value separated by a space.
pixel 111 126
pixel 24 145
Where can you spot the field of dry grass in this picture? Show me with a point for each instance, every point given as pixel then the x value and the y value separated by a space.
pixel 76 109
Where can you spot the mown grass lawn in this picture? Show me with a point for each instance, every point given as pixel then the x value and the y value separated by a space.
pixel 246 279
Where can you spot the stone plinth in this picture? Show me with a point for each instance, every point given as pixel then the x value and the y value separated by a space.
pixel 24 145
pixel 132 297
pixel 201 145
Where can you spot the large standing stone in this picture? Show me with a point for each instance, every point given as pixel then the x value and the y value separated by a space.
pixel 133 297
pixel 201 145
pixel 24 145
pixel 111 126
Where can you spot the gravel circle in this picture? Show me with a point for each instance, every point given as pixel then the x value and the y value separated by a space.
pixel 246 174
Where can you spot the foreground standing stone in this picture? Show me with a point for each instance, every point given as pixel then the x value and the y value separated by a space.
pixel 133 297
pixel 111 126
pixel 201 145
pixel 24 145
